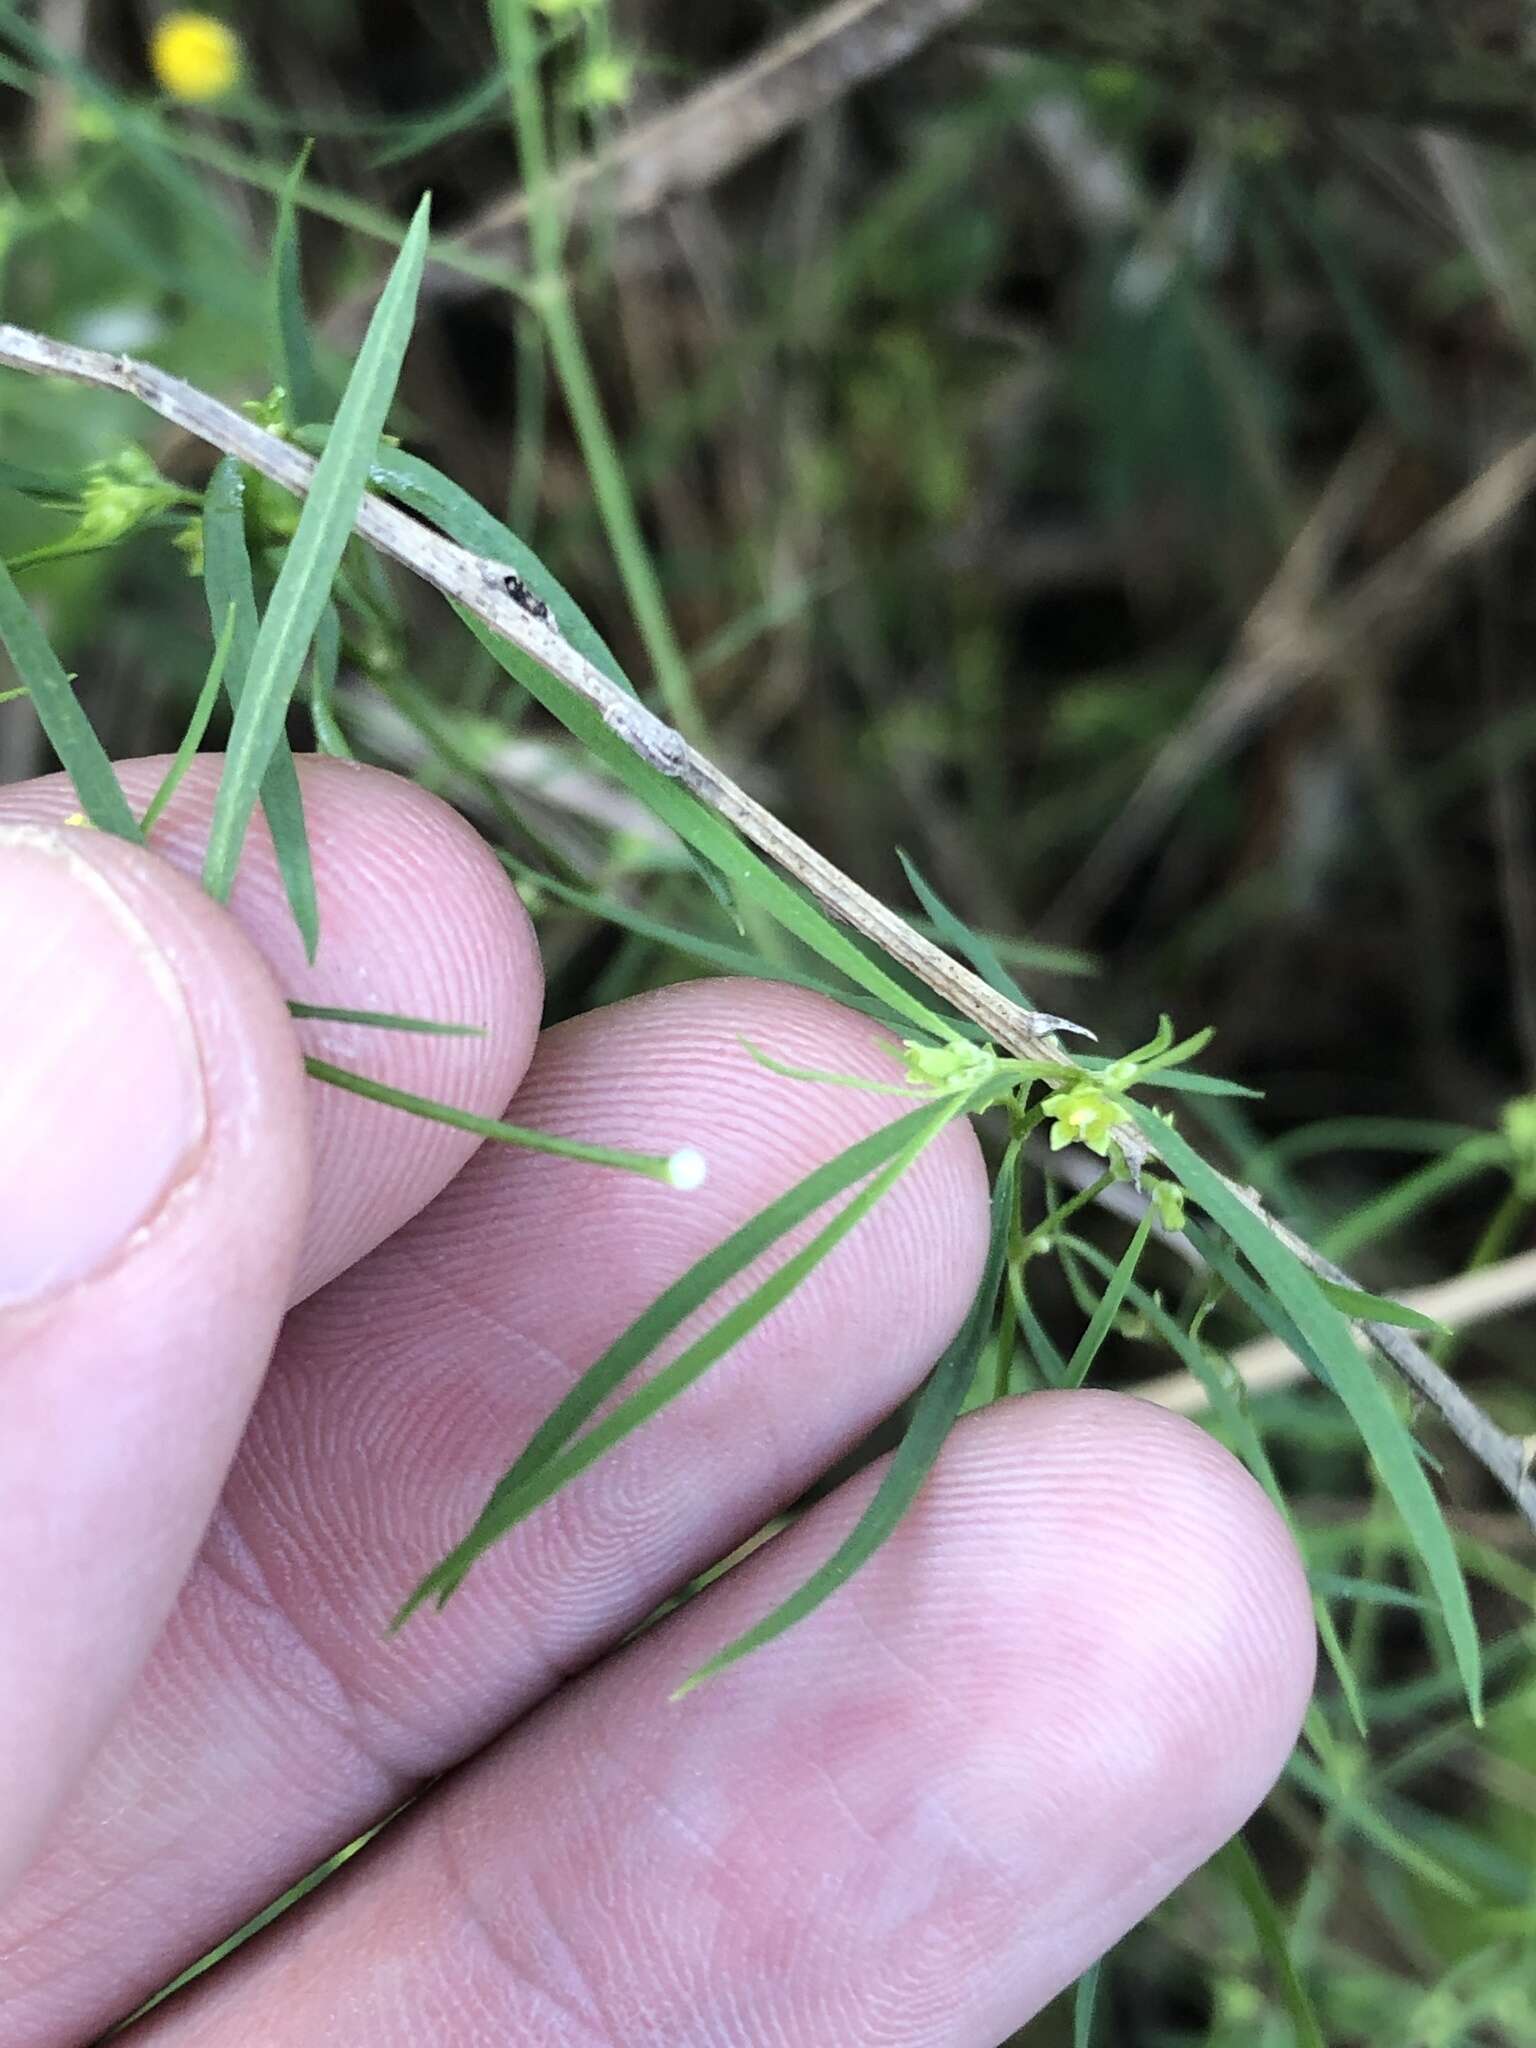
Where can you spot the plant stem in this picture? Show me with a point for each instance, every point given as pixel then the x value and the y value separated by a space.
pixel 550 297
pixel 477 584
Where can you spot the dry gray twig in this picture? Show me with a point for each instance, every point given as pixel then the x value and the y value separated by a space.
pixel 480 587
pixel 692 146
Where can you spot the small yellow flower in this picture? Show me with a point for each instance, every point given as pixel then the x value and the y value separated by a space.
pixel 1084 1115
pixel 948 1069
pixel 194 56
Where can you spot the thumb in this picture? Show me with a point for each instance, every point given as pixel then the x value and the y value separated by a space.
pixel 153 1179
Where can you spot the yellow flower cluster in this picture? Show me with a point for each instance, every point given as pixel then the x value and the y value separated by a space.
pixel 195 57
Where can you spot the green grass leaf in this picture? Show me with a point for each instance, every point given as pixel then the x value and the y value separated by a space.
pixel 1361 1307
pixel 382 1020
pixel 230 587
pixel 652 1165
pixel 1229 1406
pixel 1354 1379
pixel 1080 1364
pixel 324 665
pixel 934 1414
pixel 954 933
pixel 749 876
pixel 308 398
pixel 197 725
pixel 1085 1998
pixel 1236 1864
pixel 70 732
pixel 551 1460
pixel 434 497
pixel 304 582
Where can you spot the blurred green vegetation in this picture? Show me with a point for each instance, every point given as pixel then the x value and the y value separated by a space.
pixel 992 433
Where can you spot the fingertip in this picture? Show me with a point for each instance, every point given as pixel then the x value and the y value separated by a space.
pixel 416 918
pixel 1156 1581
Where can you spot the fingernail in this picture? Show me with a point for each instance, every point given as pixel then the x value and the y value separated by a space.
pixel 101 1087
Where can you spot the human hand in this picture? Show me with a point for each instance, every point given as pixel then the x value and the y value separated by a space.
pixel 1071 1674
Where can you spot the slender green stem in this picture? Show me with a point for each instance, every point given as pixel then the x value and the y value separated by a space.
pixel 1008 1318
pixel 1044 1232
pixel 550 297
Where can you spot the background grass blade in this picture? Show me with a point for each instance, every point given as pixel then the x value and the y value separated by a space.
pixel 308 398
pixel 953 932
pixel 1236 1864
pixel 934 1414
pixel 230 587
pixel 70 732
pixel 303 585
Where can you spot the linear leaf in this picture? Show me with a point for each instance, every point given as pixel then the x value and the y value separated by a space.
pixel 382 1020
pixel 1361 1307
pixel 1237 1864
pixel 953 932
pixel 721 953
pixel 1229 1405
pixel 197 725
pixel 551 1460
pixel 295 356
pixel 435 498
pixel 304 582
pixel 934 1414
pixel 1085 1998
pixel 70 732
pixel 747 873
pixel 324 664
pixel 1089 1344
pixel 230 587
pixel 654 1166
pixel 1354 1380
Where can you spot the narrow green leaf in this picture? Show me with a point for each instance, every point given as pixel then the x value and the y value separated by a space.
pixel 934 1414
pixel 1237 1865
pixel 1361 1307
pixel 824 1078
pixel 551 1460
pixel 197 725
pixel 719 953
pixel 954 933
pixel 295 358
pixel 1354 1379
pixel 447 505
pixel 70 732
pixel 1049 1362
pixel 304 582
pixel 1265 1309
pixel 434 497
pixel 1368 1592
pixel 747 873
pixel 324 664
pixel 13 696
pixel 229 586
pixel 653 1166
pixel 1229 1406
pixel 1085 1998
pixel 382 1020
pixel 1089 1344
pixel 705 1278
